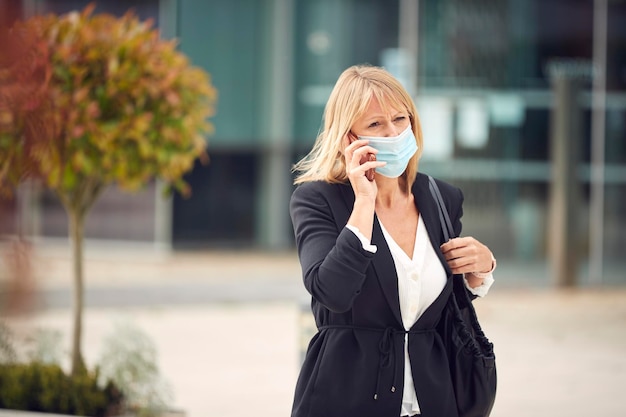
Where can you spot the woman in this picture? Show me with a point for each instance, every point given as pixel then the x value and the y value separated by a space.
pixel 374 261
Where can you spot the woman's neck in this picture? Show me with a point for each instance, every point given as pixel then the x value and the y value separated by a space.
pixel 391 192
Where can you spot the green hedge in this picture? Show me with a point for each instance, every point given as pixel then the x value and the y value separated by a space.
pixel 46 388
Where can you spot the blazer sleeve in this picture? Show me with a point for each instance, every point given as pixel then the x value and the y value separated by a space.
pixel 332 258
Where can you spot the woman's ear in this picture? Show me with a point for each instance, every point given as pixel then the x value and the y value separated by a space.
pixel 348 138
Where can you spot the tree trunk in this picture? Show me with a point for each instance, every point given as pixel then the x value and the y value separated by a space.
pixel 77 204
pixel 76 225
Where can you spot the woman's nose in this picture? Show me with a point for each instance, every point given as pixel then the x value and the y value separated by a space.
pixel 391 130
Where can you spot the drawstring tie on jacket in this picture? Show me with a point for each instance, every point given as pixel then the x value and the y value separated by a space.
pixel 386 349
pixel 385 356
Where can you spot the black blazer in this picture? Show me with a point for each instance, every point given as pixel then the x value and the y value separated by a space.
pixel 354 365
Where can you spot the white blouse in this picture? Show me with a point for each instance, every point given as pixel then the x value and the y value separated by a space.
pixel 421 278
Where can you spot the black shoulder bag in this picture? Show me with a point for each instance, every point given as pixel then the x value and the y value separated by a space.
pixel 470 354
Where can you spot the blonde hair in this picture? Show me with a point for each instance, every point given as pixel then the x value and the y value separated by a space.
pixel 348 100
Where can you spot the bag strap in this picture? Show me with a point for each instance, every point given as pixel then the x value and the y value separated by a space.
pixel 461 300
pixel 471 334
pixel 444 217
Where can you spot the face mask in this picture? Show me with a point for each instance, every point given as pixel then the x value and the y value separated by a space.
pixel 396 151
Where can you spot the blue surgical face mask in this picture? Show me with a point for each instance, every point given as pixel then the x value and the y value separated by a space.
pixel 396 151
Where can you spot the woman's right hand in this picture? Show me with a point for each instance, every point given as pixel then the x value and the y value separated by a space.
pixel 359 162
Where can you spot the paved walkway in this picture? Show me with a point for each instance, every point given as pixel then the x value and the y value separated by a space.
pixel 227 328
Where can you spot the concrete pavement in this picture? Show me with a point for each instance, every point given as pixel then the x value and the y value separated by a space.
pixel 227 328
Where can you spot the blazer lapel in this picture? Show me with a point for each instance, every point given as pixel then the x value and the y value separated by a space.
pixel 429 211
pixel 386 270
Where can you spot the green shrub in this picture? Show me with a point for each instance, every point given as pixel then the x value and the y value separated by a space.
pixel 45 387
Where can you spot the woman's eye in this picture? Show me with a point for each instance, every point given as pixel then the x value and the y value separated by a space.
pixel 400 118
pixel 374 124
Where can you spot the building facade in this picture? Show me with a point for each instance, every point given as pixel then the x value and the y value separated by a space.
pixel 485 77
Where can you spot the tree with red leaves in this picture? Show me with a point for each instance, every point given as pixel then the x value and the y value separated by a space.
pixel 88 100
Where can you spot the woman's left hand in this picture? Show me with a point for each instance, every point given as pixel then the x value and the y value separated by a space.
pixel 466 255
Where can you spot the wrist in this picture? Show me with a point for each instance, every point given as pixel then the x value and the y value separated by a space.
pixel 364 203
pixel 485 274
pixel 365 198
